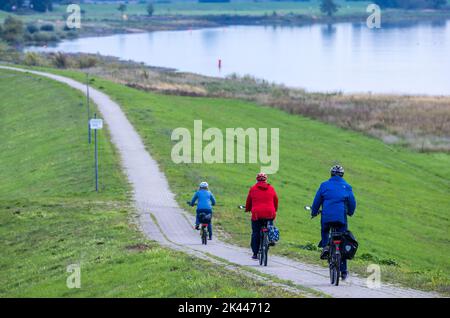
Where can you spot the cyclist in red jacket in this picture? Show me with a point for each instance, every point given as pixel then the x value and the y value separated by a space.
pixel 262 201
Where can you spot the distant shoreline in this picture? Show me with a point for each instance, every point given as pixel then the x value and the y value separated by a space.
pixel 138 24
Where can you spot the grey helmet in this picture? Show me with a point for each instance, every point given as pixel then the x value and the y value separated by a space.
pixel 337 170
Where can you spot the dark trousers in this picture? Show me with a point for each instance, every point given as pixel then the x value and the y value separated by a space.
pixel 325 231
pixel 256 233
pixel 197 221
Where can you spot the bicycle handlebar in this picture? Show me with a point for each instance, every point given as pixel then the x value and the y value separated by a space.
pixel 308 208
pixel 189 203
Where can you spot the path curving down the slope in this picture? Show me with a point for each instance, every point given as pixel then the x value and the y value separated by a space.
pixel 162 220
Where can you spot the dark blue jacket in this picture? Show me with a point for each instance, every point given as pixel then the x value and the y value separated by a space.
pixel 337 200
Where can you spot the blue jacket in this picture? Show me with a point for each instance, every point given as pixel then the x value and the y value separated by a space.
pixel 205 200
pixel 337 200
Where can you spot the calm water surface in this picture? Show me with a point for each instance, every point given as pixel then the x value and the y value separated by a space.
pixel 344 57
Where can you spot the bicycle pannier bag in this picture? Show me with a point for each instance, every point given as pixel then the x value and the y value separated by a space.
pixel 205 218
pixel 273 234
pixel 349 245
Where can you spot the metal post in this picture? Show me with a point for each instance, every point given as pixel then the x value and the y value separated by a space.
pixel 88 107
pixel 96 157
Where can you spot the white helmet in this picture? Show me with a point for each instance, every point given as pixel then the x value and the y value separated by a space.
pixel 203 185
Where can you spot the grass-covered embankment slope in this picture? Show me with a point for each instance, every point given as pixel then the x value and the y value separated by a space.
pixel 402 219
pixel 50 217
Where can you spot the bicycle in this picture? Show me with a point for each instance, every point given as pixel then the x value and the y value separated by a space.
pixel 263 253
pixel 204 219
pixel 334 255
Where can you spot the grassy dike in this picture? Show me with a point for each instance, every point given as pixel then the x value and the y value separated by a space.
pixel 402 218
pixel 50 217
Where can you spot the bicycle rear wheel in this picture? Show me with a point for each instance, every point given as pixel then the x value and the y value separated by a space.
pixel 331 265
pixel 335 262
pixel 261 250
pixel 337 266
pixel 332 274
pixel 203 234
pixel 266 249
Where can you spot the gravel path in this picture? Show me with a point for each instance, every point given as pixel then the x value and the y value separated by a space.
pixel 162 220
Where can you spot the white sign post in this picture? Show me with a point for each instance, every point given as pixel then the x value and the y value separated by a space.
pixel 96 124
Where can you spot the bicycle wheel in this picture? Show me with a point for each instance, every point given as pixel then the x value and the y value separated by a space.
pixel 266 249
pixel 203 235
pixel 337 266
pixel 261 250
pixel 331 265
pixel 332 274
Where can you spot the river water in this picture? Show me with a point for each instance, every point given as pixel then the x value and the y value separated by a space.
pixel 411 59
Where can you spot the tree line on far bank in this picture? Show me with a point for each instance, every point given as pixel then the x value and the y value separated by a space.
pixel 329 7
pixel 36 5
pixel 411 4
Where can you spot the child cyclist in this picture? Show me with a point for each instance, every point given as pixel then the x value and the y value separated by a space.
pixel 205 202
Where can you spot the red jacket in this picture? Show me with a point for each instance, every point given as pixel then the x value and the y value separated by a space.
pixel 262 200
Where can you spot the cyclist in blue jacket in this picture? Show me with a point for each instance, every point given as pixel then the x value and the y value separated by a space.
pixel 205 203
pixel 337 201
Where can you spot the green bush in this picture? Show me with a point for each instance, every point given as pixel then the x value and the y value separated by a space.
pixel 44 37
pixel 32 59
pixel 12 30
pixel 48 27
pixel 60 60
pixel 71 34
pixel 87 61
pixel 32 28
pixel 7 53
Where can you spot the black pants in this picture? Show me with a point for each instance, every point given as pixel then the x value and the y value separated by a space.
pixel 256 233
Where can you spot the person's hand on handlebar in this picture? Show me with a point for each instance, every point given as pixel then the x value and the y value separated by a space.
pixel 309 209
pixel 242 207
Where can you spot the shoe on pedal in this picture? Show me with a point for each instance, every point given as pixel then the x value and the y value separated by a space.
pixel 255 256
pixel 325 252
pixel 272 243
pixel 197 227
pixel 344 275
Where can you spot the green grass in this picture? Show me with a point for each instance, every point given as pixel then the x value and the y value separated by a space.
pixel 402 219
pixel 258 8
pixel 51 217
